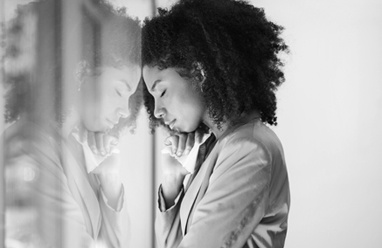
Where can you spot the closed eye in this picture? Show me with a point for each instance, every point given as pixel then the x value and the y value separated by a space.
pixel 164 92
pixel 118 93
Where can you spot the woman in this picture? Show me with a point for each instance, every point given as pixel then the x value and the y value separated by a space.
pixel 79 197
pixel 214 65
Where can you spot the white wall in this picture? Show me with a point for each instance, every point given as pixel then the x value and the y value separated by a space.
pixel 136 171
pixel 330 120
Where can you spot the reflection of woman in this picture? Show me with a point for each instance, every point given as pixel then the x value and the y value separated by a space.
pixel 215 64
pixel 76 189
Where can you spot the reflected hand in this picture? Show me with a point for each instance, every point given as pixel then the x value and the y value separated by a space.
pixel 105 145
pixel 108 171
pixel 102 143
pixel 110 166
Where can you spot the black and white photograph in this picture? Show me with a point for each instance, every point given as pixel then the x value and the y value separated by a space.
pixel 190 124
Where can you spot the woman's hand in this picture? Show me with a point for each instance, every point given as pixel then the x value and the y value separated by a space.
pixel 176 145
pixel 180 144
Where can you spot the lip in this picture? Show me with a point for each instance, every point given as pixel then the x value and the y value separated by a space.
pixel 111 123
pixel 171 124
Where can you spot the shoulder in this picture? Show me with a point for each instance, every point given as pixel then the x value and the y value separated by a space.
pixel 25 139
pixel 254 133
pixel 253 141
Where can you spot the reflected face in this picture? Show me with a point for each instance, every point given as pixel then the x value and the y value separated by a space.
pixel 105 98
pixel 177 101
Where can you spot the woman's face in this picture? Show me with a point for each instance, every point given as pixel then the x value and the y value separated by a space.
pixel 177 101
pixel 105 98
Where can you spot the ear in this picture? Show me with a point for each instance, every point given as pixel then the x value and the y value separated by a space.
pixel 200 73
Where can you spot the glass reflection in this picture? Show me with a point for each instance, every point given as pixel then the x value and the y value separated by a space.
pixel 70 80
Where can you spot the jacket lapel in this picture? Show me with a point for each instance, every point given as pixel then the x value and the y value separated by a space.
pixel 82 192
pixel 193 190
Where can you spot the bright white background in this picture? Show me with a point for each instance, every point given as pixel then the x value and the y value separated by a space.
pixel 330 120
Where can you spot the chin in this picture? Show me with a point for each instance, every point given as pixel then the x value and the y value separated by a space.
pixel 187 129
pixel 94 127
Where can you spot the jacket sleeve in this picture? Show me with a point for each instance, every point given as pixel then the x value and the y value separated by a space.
pixel 235 200
pixel 167 223
pixel 115 223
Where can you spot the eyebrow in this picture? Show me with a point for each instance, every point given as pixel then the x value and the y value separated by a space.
pixel 155 84
pixel 126 83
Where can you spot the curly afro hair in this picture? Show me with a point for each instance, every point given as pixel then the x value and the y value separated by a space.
pixel 234 45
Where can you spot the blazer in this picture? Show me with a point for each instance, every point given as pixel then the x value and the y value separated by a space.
pixel 239 197
pixel 72 210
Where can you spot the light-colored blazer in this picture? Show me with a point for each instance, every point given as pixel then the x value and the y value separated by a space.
pixel 72 209
pixel 239 198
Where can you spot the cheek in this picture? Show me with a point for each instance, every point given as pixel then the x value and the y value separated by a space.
pixel 90 120
pixel 92 108
pixel 194 101
pixel 192 108
pixel 90 98
pixel 107 100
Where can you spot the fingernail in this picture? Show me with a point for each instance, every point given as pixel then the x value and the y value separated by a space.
pixel 171 153
pixel 95 151
pixel 178 154
pixel 103 153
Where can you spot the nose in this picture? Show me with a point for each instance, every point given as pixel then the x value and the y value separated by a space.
pixel 159 111
pixel 124 111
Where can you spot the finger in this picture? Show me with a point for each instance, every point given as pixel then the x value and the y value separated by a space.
pixel 172 141
pixel 92 143
pixel 190 143
pixel 167 150
pixel 115 141
pixel 115 150
pixel 167 141
pixel 181 144
pixel 198 136
pixel 99 143
pixel 108 143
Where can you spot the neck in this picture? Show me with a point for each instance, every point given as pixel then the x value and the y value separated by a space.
pixel 218 132
pixel 226 125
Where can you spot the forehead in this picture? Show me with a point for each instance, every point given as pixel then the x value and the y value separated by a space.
pixel 125 70
pixel 130 73
pixel 150 74
pixel 154 76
